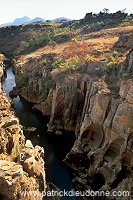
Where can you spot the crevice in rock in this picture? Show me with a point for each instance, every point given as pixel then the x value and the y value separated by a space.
pixel 121 175
pixel 9 145
pixel 3 197
pixel 98 181
pixel 108 109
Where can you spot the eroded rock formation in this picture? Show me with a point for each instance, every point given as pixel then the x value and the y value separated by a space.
pixel 125 41
pixel 35 73
pixel 21 164
pixel 102 154
pixel 101 115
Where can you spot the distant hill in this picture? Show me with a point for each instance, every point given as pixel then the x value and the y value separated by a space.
pixel 27 20
pixel 6 24
pixel 61 18
pixel 38 19
pixel 18 21
pixel 22 20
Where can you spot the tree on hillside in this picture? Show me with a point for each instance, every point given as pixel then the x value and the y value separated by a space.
pixel 105 10
pixel 124 10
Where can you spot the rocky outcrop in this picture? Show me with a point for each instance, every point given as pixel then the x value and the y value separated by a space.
pixel 32 75
pixel 11 133
pixel 34 83
pixel 126 68
pixel 67 102
pixel 102 119
pixel 102 155
pixel 32 160
pixel 21 164
pixel 125 41
pixel 15 182
pixel 103 122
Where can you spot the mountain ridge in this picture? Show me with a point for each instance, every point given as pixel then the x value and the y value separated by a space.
pixel 27 20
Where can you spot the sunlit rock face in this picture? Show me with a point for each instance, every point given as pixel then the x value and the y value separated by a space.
pixel 102 154
pixel 14 181
pixel 101 117
pixel 21 164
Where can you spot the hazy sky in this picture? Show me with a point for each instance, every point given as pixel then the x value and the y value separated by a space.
pixel 50 9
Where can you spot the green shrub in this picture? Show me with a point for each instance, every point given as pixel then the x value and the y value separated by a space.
pixel 125 76
pixel 49 85
pixel 71 62
pixel 44 94
pixel 89 57
pixel 52 43
pixel 55 64
pixel 21 146
pixel 112 57
pixel 33 40
pixel 21 79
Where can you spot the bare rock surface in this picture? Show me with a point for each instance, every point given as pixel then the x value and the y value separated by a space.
pixel 102 154
pixel 21 164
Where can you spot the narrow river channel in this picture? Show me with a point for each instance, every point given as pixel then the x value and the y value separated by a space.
pixel 56 147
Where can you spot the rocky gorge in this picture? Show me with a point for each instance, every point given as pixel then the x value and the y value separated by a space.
pixel 21 164
pixel 98 108
pixel 79 75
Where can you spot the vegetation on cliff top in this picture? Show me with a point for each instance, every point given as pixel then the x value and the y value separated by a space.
pixel 24 39
pixel 70 44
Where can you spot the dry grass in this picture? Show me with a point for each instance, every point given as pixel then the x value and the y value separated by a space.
pixel 107 33
pixel 102 44
pixel 96 44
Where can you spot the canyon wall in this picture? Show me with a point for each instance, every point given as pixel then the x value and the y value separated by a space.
pixel 102 154
pixel 101 115
pixel 99 110
pixel 19 160
pixel 34 81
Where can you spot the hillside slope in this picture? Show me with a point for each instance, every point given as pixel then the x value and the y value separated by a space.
pixel 23 39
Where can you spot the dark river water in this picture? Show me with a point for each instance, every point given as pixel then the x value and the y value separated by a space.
pixel 56 147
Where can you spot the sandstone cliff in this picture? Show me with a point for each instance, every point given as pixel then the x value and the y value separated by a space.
pixel 19 160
